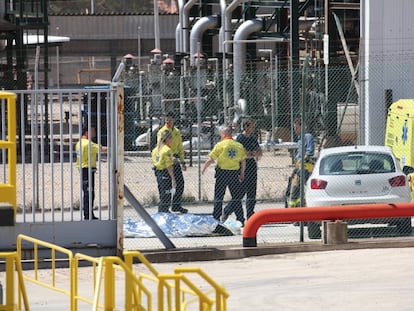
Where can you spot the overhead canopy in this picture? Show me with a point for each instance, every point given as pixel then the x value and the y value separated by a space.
pixel 6 26
pixel 39 39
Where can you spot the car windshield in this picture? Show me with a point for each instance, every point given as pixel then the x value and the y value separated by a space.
pixel 357 163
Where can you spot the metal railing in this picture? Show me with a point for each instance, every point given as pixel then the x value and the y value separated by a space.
pixel 13 266
pixel 56 253
pixel 8 143
pixel 137 295
pixel 182 291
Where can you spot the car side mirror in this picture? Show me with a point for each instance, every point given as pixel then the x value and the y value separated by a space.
pixel 408 170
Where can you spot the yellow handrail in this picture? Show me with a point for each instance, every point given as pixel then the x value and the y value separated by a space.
pixel 174 287
pixel 205 303
pixel 94 263
pixel 104 275
pixel 13 265
pixel 8 190
pixel 107 265
pixel 53 248
pixel 221 293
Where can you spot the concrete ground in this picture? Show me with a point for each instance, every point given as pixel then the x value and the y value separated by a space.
pixel 347 279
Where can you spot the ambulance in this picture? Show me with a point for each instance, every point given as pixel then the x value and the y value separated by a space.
pixel 399 136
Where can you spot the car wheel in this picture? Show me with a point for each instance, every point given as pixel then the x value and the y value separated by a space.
pixel 314 230
pixel 404 226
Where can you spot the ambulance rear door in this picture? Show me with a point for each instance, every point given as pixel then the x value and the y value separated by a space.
pixel 399 132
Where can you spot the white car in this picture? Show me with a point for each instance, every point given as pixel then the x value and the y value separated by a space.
pixel 208 136
pixel 357 175
pixel 206 143
pixel 144 140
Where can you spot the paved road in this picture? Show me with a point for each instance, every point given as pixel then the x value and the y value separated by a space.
pixel 366 279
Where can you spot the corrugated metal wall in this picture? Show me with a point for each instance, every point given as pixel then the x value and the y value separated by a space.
pixel 109 27
pixel 101 41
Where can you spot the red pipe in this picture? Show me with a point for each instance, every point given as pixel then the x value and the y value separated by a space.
pixel 322 213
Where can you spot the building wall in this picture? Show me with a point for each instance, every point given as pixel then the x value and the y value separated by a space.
pixel 387 60
pixel 101 42
pixel 98 27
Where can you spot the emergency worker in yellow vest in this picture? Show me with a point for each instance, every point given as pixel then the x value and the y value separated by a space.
pixel 162 159
pixel 293 189
pixel 231 164
pixel 179 166
pixel 86 153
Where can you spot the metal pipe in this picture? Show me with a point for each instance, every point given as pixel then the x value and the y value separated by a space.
pixel 302 138
pixel 239 55
pixel 178 39
pixel 57 61
pixel 199 107
pixel 179 32
pixel 202 25
pixel 272 102
pixel 225 101
pixel 139 48
pixel 341 212
pixel 227 26
pixel 186 24
pixel 223 6
pixel 326 49
pixel 156 26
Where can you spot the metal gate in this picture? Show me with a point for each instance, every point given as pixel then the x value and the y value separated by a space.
pixel 49 187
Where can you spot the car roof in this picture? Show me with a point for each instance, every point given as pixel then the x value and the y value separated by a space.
pixel 344 149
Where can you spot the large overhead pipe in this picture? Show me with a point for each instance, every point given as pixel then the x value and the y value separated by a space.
pixel 223 7
pixel 178 30
pixel 178 39
pixel 203 24
pixel 186 24
pixel 239 56
pixel 278 39
pixel 227 30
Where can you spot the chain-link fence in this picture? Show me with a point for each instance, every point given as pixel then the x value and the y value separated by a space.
pixel 201 108
pixel 203 100
pixel 271 94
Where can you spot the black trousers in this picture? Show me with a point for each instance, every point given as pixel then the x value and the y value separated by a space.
pixel 230 179
pixel 249 186
pixel 179 179
pixel 88 188
pixel 164 190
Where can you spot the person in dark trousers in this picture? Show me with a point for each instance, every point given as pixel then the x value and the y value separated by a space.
pixel 177 149
pixel 163 161
pixel 230 170
pixel 249 141
pixel 293 189
pixel 86 153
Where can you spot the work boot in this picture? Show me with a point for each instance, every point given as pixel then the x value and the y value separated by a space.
pixel 224 217
pixel 87 217
pixel 180 210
